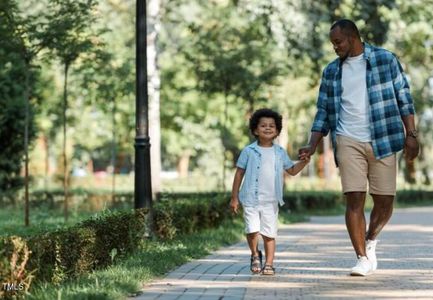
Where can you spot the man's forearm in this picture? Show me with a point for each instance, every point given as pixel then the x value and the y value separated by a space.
pixel 409 122
pixel 315 138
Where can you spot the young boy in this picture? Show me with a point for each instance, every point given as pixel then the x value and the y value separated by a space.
pixel 262 163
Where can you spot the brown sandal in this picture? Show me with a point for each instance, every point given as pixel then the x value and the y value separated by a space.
pixel 256 263
pixel 268 270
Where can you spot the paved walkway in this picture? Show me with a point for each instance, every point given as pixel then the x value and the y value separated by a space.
pixel 312 262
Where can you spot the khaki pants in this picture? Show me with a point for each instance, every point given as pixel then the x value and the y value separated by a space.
pixel 358 166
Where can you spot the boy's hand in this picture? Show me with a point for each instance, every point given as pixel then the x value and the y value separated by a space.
pixel 234 205
pixel 306 159
pixel 305 152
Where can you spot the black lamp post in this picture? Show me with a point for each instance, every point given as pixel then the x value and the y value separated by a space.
pixel 143 180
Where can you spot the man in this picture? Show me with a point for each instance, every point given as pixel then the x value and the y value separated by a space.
pixel 364 101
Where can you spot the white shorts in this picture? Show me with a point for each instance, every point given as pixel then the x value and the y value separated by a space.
pixel 262 218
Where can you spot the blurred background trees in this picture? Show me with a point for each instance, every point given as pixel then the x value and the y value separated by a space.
pixel 213 62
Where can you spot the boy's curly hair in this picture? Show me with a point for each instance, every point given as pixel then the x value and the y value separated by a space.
pixel 265 113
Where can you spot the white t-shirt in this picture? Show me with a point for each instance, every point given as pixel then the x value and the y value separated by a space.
pixel 354 119
pixel 267 175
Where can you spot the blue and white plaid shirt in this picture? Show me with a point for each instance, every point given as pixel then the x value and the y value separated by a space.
pixel 388 94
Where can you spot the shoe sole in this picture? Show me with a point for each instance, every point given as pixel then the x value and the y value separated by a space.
pixel 359 274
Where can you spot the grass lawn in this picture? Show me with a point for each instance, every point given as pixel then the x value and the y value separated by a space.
pixel 41 220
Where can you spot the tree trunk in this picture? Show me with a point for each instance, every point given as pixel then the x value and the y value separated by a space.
pixel 223 179
pixel 153 91
pixel 26 147
pixel 47 160
pixel 65 163
pixel 283 138
pixel 425 172
pixel 113 150
pixel 183 164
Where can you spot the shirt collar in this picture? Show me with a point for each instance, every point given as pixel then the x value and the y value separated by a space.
pixel 367 53
pixel 367 50
pixel 255 146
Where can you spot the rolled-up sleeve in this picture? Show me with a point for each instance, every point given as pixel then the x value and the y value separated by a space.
pixel 321 123
pixel 243 159
pixel 288 163
pixel 401 88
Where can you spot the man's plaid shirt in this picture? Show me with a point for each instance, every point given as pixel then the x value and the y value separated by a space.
pixel 388 94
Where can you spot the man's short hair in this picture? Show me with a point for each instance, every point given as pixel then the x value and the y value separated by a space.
pixel 347 26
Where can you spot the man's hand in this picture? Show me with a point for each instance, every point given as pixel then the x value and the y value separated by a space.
pixel 411 148
pixel 305 152
pixel 234 205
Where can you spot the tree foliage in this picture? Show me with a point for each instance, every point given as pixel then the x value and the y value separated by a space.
pixel 13 70
pixel 219 60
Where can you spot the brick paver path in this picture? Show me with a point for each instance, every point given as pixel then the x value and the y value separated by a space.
pixel 312 262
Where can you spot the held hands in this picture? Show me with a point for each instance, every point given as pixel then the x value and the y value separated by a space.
pixel 306 159
pixel 411 148
pixel 234 205
pixel 305 153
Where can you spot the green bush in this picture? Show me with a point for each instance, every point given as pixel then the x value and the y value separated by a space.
pixel 414 196
pixel 64 253
pixel 163 226
pixel 14 255
pixel 189 214
pixel 92 244
pixel 312 200
pixel 82 199
pixel 12 102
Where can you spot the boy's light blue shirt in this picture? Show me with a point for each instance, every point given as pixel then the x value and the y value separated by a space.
pixel 250 161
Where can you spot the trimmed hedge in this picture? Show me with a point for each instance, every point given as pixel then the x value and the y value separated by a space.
pixel 94 243
pixel 189 213
pixel 310 200
pixel 80 199
pixel 68 252
pixel 14 255
pixel 93 201
pixel 414 196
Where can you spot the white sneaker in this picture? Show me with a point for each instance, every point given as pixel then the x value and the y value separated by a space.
pixel 370 248
pixel 363 267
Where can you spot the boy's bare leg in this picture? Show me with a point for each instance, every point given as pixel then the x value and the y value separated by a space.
pixel 253 243
pixel 269 244
pixel 253 240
